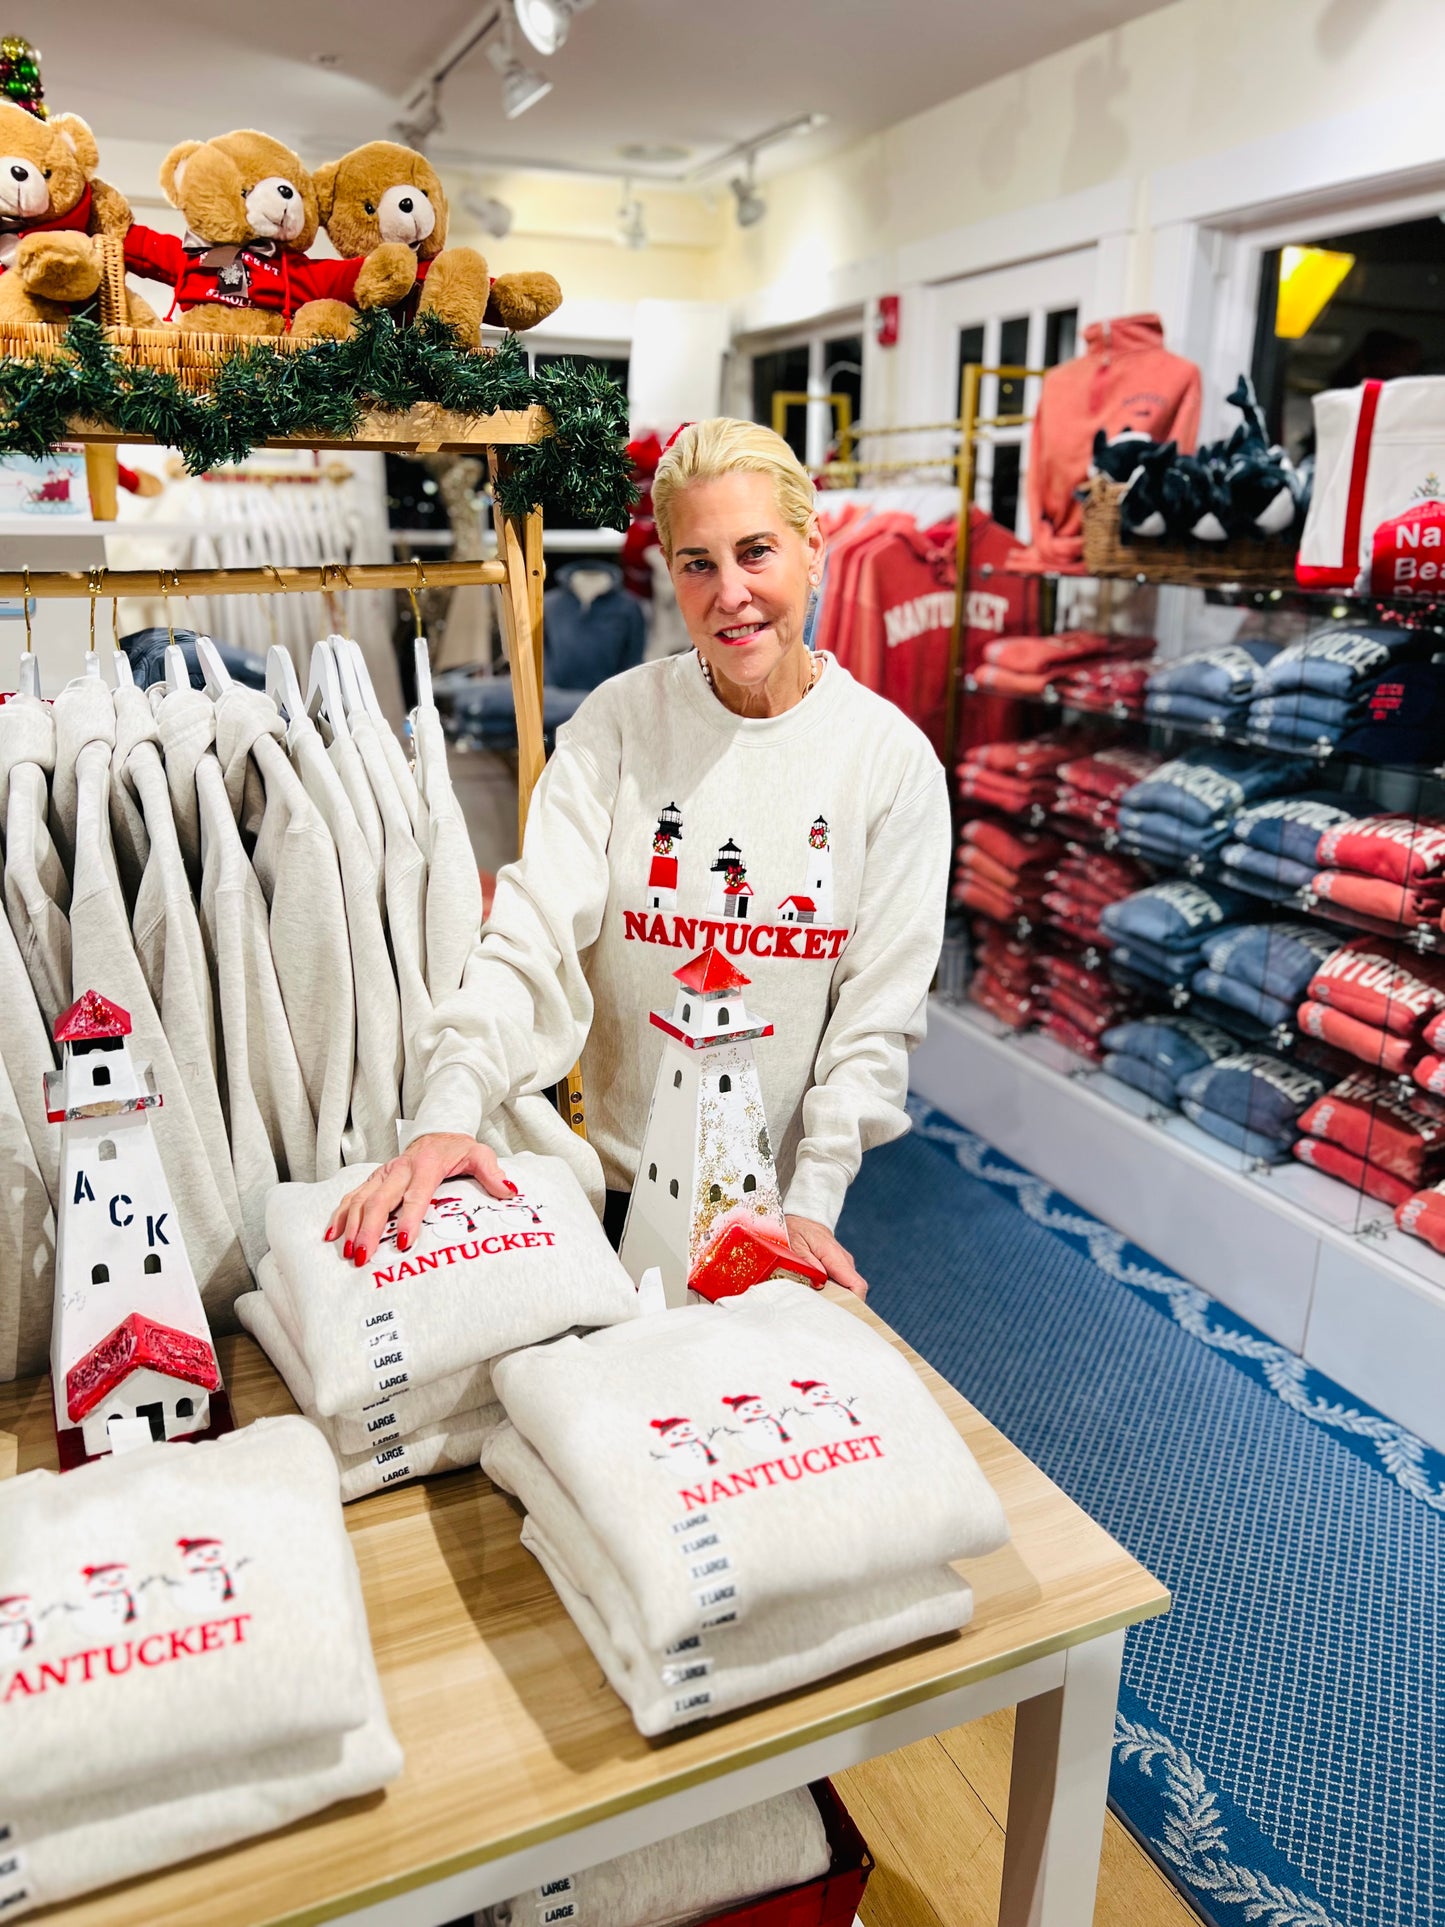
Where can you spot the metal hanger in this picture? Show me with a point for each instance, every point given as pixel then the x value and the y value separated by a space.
pixel 93 580
pixel 178 674
pixel 29 665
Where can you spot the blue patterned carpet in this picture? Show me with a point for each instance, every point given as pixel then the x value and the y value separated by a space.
pixel 1280 1745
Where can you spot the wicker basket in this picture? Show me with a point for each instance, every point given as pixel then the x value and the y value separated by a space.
pixel 1197 565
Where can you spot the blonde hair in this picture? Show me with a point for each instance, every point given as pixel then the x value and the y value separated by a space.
pixel 725 446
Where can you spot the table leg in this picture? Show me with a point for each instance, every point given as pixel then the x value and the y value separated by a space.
pixel 1063 1741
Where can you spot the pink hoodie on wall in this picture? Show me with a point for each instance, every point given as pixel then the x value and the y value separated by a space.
pixel 1125 379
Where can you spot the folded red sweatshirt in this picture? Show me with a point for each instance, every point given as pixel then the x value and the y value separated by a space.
pixel 1369 1116
pixel 1101 685
pixel 1409 905
pixel 1071 1037
pixel 1078 806
pixel 1381 984
pixel 1090 1018
pixel 1007 1005
pixel 1014 795
pixel 1423 1216
pixel 1371 1045
pixel 1401 848
pixel 1069 973
pixel 1356 1172
pixel 979 866
pixel 1109 772
pixel 1015 849
pixel 1034 755
pixel 988 901
pixel 1031 655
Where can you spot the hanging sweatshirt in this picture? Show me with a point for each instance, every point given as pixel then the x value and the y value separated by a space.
pixel 404 884
pixel 1125 381
pixel 453 882
pixel 37 883
pixel 832 906
pixel 27 1243
pixel 186 720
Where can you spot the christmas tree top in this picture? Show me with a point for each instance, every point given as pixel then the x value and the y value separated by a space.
pixel 20 76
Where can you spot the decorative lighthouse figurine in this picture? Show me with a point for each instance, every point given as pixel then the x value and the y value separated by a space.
pixel 706 1209
pixel 130 1350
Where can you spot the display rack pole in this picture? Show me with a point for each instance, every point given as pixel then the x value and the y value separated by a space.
pixel 324 579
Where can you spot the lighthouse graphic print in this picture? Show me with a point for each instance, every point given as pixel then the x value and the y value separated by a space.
pixel 698 896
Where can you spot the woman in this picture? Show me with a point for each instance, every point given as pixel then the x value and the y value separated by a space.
pixel 747 795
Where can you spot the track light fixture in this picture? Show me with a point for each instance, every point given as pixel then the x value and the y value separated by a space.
pixel 545 23
pixel 522 87
pixel 751 206
pixel 492 216
pixel 631 220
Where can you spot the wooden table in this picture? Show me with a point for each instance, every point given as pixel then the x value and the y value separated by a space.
pixel 521 1764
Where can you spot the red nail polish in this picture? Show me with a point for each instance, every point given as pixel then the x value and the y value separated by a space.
pixel 512 1188
pixel 361 1254
pixel 346 1249
pixel 330 1234
pixel 402 1241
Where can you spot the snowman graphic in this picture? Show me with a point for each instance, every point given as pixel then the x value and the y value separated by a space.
pixel 752 1410
pixel 821 1397
pixel 17 1624
pixel 110 1597
pixel 465 1214
pixel 208 1575
pixel 681 1435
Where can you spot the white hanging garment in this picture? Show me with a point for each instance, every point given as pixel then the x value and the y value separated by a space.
pixel 27 1236
pixel 37 885
pixel 105 960
pixel 295 861
pixel 376 1088
pixel 325 703
pixel 134 723
pixel 84 712
pixel 404 876
pixel 186 719
pixel 272 1131
pixel 453 883
pixel 352 654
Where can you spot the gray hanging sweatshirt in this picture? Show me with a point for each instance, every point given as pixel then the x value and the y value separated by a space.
pixel 453 882
pixel 27 1241
pixel 813 849
pixel 404 876
pixel 37 884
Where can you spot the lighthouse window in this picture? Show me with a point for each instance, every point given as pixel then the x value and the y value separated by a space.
pixel 714 1194
pixel 724 1084
pixel 687 1013
pixel 673 1187
pixel 101 1074
pixel 722 1016
pixel 652 1174
pixel 100 1274
pixel 677 1080
pixel 152 1261
pixel 185 1407
pixel 750 1183
pixel 105 1151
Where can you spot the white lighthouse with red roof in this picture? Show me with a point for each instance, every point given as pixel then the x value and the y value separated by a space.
pixel 706 1210
pixel 662 872
pixel 131 1355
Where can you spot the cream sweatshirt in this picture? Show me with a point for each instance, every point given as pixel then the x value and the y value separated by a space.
pixel 37 886
pixel 830 900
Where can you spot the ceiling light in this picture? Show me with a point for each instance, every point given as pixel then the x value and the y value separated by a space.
pixel 546 22
pixel 416 127
pixel 494 217
pixel 751 207
pixel 522 87
pixel 326 60
pixel 631 220
pixel 663 154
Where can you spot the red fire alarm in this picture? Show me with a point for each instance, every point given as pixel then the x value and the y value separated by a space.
pixel 888 321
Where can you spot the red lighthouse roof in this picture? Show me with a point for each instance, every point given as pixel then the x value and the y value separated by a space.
pixel 91 1016
pixel 138 1342
pixel 709 974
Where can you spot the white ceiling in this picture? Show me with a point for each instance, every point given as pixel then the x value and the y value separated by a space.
pixel 701 75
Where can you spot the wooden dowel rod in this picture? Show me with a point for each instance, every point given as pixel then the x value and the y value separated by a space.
pixel 49 583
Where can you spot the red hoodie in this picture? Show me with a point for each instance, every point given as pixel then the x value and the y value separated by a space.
pixel 1125 379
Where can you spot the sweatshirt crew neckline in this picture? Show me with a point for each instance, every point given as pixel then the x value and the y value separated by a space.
pixel 818 703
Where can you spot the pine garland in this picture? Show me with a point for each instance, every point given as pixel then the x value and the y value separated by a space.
pixel 582 470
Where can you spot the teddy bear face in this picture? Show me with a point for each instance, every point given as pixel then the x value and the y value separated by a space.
pixel 242 187
pixel 383 192
pixel 44 165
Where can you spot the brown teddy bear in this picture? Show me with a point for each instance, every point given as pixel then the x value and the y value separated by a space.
pixel 384 194
pixel 51 205
pixel 252 213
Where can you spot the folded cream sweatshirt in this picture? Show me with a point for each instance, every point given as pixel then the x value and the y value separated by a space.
pixel 813 849
pixel 735 1457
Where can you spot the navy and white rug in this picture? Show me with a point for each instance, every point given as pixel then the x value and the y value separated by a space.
pixel 1280 1743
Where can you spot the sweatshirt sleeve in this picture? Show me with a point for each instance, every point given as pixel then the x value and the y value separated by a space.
pixel 880 1004
pixel 521 1015
pixel 154 256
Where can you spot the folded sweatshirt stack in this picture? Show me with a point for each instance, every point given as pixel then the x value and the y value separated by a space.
pixel 203 1604
pixel 1272 854
pixel 1078 1002
pixel 1250 1100
pixel 1084 883
pixel 1003 872
pixel 1182 811
pixel 1089 787
pixel 1005 977
pixel 1029 665
pixel 1313 692
pixel 1263 969
pixel 1423 1216
pixel 1375 1137
pixel 1377 1001
pixel 394 1364
pixel 1385 871
pixel 1153 1054
pixel 735 1500
pixel 1159 934
pixel 1017 777
pixel 1105 683
pixel 691 1876
pixel 1211 690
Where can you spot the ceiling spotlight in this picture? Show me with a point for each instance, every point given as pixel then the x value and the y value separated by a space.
pixel 492 216
pixel 546 22
pixel 631 221
pixel 522 87
pixel 416 127
pixel 751 207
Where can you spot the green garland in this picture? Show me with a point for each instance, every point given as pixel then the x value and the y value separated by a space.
pixel 322 389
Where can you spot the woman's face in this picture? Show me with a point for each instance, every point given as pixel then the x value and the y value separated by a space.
pixel 742 575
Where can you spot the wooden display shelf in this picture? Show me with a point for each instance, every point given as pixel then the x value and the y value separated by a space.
pixel 1195 565
pixel 521 1763
pixel 423 429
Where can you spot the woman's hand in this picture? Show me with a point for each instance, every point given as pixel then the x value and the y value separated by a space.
pixel 813 1240
pixel 406 1186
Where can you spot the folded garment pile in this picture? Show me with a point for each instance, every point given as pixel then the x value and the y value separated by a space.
pixel 231 1552
pixel 1154 1053
pixel 1273 851
pixel 1208 691
pixel 1089 787
pixel 1314 692
pixel 1423 1216
pixel 1376 1000
pixel 1375 1137
pixel 1182 812
pixel 1158 935
pixel 1018 777
pixel 734 1500
pixel 395 1366
pixel 1003 872
pixel 1078 1001
pixel 1263 969
pixel 1250 1100
pixel 691 1876
pixel 1032 665
pixel 1005 977
pixel 1386 872
pixel 1105 684
pixel 1083 885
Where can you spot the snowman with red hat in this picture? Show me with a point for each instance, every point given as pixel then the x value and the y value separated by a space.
pixel 207 1580
pixel 17 1624
pixel 681 1435
pixel 753 1410
pixel 821 1397
pixel 110 1597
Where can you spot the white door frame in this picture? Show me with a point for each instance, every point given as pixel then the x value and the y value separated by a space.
pixel 812 335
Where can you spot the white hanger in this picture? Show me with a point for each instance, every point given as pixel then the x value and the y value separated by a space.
pixel 352 693
pixel 353 650
pixel 323 690
pixel 282 685
pixel 217 675
pixel 124 674
pixel 178 674
pixel 422 656
pixel 29 662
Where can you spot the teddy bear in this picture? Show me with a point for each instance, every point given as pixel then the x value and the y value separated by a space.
pixel 52 204
pixel 383 194
pixel 242 268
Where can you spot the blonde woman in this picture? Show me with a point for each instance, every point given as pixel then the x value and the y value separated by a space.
pixel 746 794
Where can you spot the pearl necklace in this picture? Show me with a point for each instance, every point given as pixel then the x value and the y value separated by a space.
pixel 813 675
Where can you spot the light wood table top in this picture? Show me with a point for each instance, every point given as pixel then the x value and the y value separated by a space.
pixel 510 1733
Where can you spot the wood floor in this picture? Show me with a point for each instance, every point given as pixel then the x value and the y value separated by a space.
pixel 934 1815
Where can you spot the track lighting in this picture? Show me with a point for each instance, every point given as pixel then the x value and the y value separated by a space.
pixel 522 87
pixel 751 206
pixel 631 220
pixel 416 128
pixel 492 216
pixel 545 23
